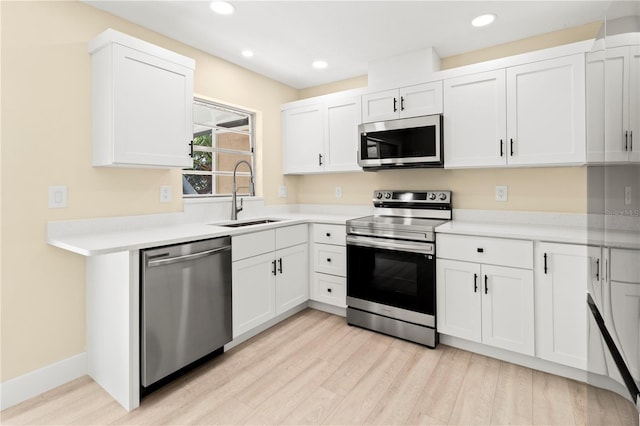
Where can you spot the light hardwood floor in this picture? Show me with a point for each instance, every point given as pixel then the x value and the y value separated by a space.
pixel 315 369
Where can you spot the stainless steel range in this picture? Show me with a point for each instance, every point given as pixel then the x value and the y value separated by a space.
pixel 391 272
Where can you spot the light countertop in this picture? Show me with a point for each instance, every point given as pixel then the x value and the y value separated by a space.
pixel 97 241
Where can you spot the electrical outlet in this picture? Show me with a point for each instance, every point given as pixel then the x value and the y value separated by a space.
pixel 501 193
pixel 338 192
pixel 57 197
pixel 165 194
pixel 627 195
pixel 282 191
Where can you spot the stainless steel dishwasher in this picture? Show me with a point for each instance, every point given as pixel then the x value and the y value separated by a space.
pixel 185 306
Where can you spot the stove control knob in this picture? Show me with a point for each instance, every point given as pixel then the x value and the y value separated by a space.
pixel 443 196
pixel 378 195
pixel 431 196
pixel 387 195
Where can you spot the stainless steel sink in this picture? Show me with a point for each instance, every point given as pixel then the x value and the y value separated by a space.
pixel 248 223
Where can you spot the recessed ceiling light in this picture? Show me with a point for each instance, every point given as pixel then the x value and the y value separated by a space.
pixel 247 53
pixel 320 64
pixel 222 7
pixel 483 20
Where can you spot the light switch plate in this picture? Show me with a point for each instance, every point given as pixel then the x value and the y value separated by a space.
pixel 338 192
pixel 627 195
pixel 501 193
pixel 57 197
pixel 282 191
pixel 165 194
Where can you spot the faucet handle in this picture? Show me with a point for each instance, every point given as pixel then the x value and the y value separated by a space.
pixel 239 209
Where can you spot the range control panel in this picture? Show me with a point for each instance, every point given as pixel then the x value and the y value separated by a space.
pixel 412 197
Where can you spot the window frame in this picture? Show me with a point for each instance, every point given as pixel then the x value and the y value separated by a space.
pixel 250 115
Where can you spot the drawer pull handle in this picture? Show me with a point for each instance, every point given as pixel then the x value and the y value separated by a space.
pixel 598 269
pixel 328 234
pixel 329 259
pixel 486 288
pixel 475 283
pixel 329 290
pixel 545 263
pixel 280 265
pixel 273 267
pixel 480 250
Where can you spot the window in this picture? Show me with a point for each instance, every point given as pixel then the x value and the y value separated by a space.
pixel 222 136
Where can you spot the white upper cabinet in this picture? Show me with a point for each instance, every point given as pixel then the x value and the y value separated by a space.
pixel 341 134
pixel 411 101
pixel 303 139
pixel 542 104
pixel 322 137
pixel 141 103
pixel 546 112
pixel 595 105
pixel 622 100
pixel 475 120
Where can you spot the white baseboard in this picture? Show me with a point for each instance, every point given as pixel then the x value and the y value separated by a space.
pixel 32 384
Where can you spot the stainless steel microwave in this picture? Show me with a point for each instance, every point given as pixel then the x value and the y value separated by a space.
pixel 406 142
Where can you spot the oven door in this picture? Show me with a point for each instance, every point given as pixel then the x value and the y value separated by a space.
pixel 392 273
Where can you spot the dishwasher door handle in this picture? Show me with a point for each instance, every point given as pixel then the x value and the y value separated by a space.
pixel 187 257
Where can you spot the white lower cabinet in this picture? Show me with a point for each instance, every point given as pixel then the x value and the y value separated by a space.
pixel 486 303
pixel 253 292
pixel 562 274
pixel 484 291
pixel 329 282
pixel 622 312
pixel 269 275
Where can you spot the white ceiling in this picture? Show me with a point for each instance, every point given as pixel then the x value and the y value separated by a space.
pixel 287 36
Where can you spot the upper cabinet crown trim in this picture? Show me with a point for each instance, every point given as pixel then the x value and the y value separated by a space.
pixel 112 36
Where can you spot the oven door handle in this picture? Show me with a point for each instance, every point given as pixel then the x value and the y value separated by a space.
pixel 424 248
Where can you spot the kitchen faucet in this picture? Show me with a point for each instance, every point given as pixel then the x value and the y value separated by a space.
pixel 234 207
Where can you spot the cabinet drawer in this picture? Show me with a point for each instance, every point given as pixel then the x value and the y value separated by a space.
pixel 330 259
pixel 291 236
pixel 329 234
pixel 330 289
pixel 253 244
pixel 625 265
pixel 493 251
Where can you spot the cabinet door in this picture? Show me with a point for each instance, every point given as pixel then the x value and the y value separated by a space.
pixel 329 289
pixel 152 110
pixel 421 99
pixel 475 120
pixel 562 271
pixel 459 299
pixel 622 312
pixel 341 128
pixel 595 102
pixel 507 308
pixel 380 106
pixel 253 292
pixel 634 103
pixel 625 315
pixel 303 139
pixel 616 101
pixel 292 282
pixel 546 112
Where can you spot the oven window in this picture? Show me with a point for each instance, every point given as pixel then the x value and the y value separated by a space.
pixel 402 143
pixel 401 279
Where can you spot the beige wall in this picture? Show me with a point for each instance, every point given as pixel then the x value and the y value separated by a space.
pixel 558 189
pixel 564 189
pixel 46 132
